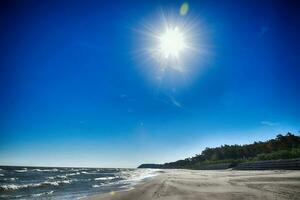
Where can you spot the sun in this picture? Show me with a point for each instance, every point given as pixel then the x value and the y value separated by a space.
pixel 171 43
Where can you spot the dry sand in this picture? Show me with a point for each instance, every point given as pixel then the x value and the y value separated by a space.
pixel 214 185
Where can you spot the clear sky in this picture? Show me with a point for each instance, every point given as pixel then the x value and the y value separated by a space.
pixel 80 85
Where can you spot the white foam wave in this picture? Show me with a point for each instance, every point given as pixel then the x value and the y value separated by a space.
pixel 1 174
pixel 45 170
pixel 22 170
pixel 73 174
pixel 42 194
pixel 95 186
pixel 139 174
pixel 10 179
pixel 131 177
pixel 62 176
pixel 105 178
pixel 46 183
pixel 9 187
pixel 84 172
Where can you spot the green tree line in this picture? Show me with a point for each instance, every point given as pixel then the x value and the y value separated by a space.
pixel 282 147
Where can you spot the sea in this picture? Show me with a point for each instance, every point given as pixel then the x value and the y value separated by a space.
pixel 67 183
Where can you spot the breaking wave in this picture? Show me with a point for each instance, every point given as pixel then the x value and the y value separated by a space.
pixel 10 187
pixel 45 170
pixel 42 194
pixel 105 178
pixel 22 170
pixel 66 183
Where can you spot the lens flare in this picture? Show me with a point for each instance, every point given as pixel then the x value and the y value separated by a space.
pixel 184 9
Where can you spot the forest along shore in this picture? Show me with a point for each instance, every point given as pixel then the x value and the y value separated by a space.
pixel 217 185
pixel 280 153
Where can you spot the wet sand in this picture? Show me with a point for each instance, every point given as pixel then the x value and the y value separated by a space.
pixel 214 185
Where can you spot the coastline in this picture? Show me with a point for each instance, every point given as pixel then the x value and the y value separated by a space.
pixel 217 185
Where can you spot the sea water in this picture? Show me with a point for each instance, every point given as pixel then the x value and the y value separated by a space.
pixel 66 183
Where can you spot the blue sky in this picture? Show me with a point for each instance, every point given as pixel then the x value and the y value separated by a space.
pixel 77 91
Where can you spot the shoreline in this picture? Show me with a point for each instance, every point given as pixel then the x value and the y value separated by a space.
pixel 217 185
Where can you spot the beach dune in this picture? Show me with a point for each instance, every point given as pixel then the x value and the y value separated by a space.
pixel 214 185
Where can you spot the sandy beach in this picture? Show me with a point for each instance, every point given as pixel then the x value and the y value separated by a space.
pixel 214 185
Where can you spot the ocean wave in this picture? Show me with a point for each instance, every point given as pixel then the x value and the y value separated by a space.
pixel 133 177
pixel 73 174
pixel 45 170
pixel 21 170
pixel 1 174
pixel 10 179
pixel 70 179
pixel 9 187
pixel 84 172
pixel 62 176
pixel 96 186
pixel 26 195
pixel 5 196
pixel 42 194
pixel 105 178
pixel 56 183
pixel 12 187
pixel 57 177
pixel 129 178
